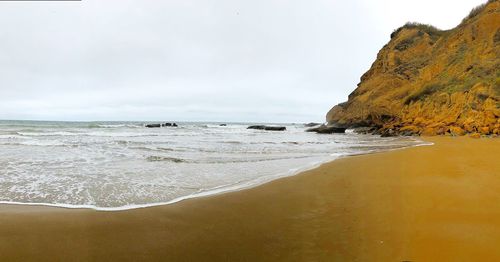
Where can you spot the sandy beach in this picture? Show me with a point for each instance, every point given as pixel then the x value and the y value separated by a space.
pixel 428 203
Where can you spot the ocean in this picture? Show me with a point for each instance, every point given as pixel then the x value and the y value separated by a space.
pixel 124 165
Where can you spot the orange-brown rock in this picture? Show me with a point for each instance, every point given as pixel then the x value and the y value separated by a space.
pixel 429 131
pixel 475 135
pixel 485 130
pixel 456 131
pixel 410 130
pixel 430 82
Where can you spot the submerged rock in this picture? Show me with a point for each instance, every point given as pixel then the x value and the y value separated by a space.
pixel 259 127
pixel 161 125
pixel 164 158
pixel 364 130
pixel 312 124
pixel 389 133
pixel 275 128
pixel 267 128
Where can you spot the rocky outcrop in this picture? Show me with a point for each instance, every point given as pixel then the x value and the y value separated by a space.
pixel 268 128
pixel 431 82
pixel 326 129
pixel 161 125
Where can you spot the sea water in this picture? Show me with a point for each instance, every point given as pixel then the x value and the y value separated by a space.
pixel 124 165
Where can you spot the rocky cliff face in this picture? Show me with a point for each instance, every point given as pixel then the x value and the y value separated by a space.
pixel 431 82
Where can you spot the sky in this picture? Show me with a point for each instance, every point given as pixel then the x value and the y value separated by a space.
pixel 196 60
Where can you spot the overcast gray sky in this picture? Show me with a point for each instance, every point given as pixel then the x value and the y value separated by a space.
pixel 205 60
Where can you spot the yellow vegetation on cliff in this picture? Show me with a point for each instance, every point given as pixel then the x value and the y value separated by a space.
pixel 431 82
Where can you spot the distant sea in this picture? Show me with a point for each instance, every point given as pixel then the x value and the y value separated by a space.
pixel 124 165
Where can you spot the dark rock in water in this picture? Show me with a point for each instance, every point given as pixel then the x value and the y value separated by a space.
pixel 408 133
pixel 364 130
pixel 257 127
pixel 312 124
pixel 388 133
pixel 275 128
pixel 161 125
pixel 222 125
pixel 267 128
pixel 323 129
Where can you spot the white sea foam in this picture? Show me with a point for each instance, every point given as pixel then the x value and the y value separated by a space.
pixel 10 137
pixel 31 134
pixel 201 193
pixel 41 143
pixel 119 126
pixel 117 166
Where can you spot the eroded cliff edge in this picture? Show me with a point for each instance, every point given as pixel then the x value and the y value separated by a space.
pixel 431 82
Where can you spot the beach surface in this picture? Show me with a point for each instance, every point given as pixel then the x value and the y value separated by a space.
pixel 427 203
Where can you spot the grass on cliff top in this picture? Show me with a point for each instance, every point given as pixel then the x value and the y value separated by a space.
pixel 436 32
pixel 477 10
pixel 429 29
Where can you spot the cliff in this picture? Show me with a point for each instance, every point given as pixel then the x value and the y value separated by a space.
pixel 427 81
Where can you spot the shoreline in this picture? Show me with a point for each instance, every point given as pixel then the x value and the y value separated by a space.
pixel 218 190
pixel 211 192
pixel 417 204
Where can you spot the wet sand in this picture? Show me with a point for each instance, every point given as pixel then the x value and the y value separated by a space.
pixel 430 203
